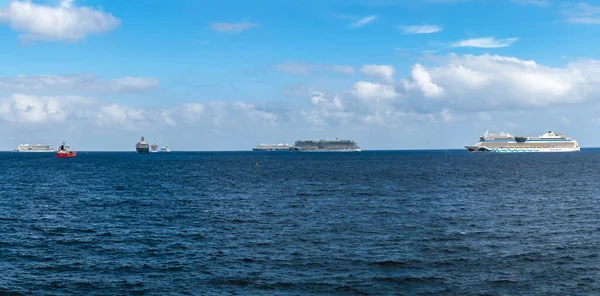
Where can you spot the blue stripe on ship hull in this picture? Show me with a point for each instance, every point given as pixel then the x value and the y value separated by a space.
pixel 515 150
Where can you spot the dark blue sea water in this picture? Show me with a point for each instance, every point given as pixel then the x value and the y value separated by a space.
pixel 378 223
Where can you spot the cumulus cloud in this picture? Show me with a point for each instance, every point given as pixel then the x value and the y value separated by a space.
pixel 487 42
pixel 363 22
pixel 32 110
pixel 582 13
pixel 27 109
pixel 494 82
pixel 422 80
pixel 123 117
pixel 233 27
pixel 385 72
pixel 453 87
pixel 256 113
pixel 77 83
pixel 443 91
pixel 193 111
pixel 305 69
pixel 422 29
pixel 372 91
pixel 62 23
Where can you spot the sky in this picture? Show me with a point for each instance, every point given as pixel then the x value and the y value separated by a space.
pixel 229 75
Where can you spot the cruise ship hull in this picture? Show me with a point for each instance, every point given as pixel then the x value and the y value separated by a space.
pixel 520 150
pixel 271 150
pixel 143 150
pixel 327 150
pixel 33 151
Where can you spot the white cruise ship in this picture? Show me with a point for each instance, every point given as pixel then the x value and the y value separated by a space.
pixel 505 142
pixel 165 149
pixel 34 148
pixel 154 148
pixel 272 147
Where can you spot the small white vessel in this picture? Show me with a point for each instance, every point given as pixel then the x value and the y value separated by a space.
pixel 165 149
pixel 154 148
pixel 272 147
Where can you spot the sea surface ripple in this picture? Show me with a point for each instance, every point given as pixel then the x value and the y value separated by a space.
pixel 244 223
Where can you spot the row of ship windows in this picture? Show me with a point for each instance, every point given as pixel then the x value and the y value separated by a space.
pixel 528 147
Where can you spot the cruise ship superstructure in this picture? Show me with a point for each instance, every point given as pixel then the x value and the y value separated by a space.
pixel 506 142
pixel 337 145
pixel 154 148
pixel 34 148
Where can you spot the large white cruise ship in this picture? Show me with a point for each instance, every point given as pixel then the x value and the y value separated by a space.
pixel 505 142
pixel 34 148
pixel 337 145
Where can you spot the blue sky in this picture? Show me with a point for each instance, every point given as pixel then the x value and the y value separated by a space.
pixel 228 75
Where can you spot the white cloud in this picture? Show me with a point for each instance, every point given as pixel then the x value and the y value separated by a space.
pixel 219 114
pixel 255 113
pixel 436 95
pixel 532 2
pixel 385 72
pixel 494 82
pixel 64 23
pixel 363 21
pixel 487 42
pixel 76 83
pixel 582 13
pixel 447 116
pixel 423 29
pixel 326 111
pixel 233 27
pixel 123 117
pixel 192 111
pixel 27 109
pixel 306 69
pixel 372 91
pixel 422 80
pixel 343 69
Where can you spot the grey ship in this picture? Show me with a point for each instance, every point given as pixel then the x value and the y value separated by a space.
pixel 142 146
pixel 337 145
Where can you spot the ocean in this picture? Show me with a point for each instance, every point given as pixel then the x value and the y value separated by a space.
pixel 259 223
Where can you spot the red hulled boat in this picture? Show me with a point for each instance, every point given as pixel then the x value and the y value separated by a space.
pixel 64 151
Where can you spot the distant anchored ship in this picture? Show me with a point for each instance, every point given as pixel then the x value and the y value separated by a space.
pixel 142 146
pixel 505 142
pixel 165 149
pixel 337 145
pixel 154 148
pixel 64 151
pixel 272 147
pixel 34 148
